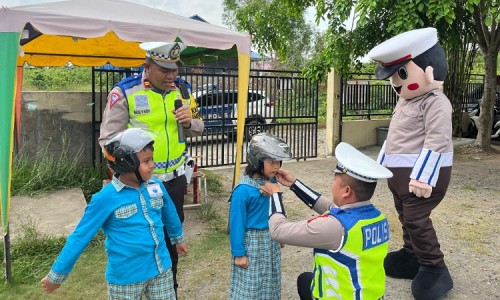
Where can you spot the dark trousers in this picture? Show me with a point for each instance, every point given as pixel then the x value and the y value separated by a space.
pixel 175 188
pixel 419 236
pixel 304 285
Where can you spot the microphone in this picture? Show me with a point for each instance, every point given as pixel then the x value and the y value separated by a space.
pixel 180 128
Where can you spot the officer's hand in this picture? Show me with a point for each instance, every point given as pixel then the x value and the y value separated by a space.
pixel 269 188
pixel 48 286
pixel 181 248
pixel 183 116
pixel 420 189
pixel 285 177
pixel 241 262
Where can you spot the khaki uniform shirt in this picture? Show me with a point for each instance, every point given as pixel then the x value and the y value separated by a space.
pixel 323 231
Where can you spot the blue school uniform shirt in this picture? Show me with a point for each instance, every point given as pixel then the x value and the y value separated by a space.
pixel 133 222
pixel 249 209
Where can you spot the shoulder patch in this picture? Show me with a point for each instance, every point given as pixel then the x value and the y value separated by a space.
pixel 317 217
pixel 113 98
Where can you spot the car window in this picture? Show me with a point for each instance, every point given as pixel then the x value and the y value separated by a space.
pixel 230 97
pixel 254 97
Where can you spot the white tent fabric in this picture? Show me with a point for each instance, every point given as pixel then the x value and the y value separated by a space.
pixel 129 21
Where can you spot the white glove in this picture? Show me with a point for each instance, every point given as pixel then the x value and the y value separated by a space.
pixel 420 189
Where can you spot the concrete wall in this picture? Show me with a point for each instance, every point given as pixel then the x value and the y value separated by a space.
pixel 362 133
pixel 51 121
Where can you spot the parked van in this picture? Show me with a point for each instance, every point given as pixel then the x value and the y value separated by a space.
pixel 219 109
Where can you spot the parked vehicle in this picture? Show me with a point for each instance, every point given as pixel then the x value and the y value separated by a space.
pixel 474 112
pixel 219 109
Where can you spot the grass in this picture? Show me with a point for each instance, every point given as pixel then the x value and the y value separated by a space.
pixel 30 177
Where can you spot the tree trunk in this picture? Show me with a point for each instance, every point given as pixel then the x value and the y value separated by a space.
pixel 483 139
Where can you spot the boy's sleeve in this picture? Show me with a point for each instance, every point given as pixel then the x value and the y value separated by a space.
pixel 94 216
pixel 237 222
pixel 170 219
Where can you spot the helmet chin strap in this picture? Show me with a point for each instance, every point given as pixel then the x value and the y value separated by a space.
pixel 138 175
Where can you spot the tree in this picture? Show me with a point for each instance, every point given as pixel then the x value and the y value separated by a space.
pixel 459 22
pixel 486 18
pixel 275 29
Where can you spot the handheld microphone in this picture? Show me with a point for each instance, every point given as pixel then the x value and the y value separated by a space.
pixel 180 128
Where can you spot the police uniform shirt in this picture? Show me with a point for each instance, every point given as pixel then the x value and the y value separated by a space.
pixel 323 231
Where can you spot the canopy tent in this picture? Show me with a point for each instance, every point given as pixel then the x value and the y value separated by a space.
pixel 93 33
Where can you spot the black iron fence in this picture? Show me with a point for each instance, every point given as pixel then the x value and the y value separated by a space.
pixel 362 95
pixel 279 102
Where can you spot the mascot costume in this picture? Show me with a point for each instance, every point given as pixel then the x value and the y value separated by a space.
pixel 419 152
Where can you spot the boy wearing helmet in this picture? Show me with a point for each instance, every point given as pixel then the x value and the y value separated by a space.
pixel 132 212
pixel 256 259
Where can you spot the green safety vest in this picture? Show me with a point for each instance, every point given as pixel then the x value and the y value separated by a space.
pixel 356 270
pixel 148 110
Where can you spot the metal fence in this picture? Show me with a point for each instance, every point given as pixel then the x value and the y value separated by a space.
pixel 285 105
pixel 362 95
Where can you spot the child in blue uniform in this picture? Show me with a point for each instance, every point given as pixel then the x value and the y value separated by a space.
pixel 131 211
pixel 256 258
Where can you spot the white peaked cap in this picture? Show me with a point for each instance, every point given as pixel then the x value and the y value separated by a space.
pixel 357 165
pixel 167 55
pixel 398 50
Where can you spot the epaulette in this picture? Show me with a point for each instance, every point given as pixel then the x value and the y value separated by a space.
pixel 179 80
pixel 129 82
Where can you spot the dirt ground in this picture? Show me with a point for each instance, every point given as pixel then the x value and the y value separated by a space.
pixel 465 221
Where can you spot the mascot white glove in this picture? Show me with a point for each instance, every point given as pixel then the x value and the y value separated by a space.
pixel 420 189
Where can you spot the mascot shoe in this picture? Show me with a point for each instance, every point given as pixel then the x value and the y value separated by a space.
pixel 431 283
pixel 401 264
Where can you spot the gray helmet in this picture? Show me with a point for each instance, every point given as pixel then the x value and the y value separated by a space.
pixel 265 145
pixel 120 151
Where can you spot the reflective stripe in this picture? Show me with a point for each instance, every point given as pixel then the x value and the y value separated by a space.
pixel 171 175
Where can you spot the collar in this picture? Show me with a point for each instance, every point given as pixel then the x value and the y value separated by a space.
pixel 120 185
pixel 355 204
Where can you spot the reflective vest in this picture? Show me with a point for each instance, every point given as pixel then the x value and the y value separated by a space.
pixel 356 269
pixel 151 111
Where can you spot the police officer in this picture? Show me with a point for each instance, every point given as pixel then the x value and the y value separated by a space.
pixel 148 101
pixel 349 237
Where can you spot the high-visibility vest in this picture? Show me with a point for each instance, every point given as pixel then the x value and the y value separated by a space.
pixel 356 270
pixel 151 111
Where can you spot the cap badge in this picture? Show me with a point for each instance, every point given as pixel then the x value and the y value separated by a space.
pixel 175 51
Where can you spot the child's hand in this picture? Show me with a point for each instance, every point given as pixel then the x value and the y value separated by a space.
pixel 285 177
pixel 47 286
pixel 241 262
pixel 269 188
pixel 181 248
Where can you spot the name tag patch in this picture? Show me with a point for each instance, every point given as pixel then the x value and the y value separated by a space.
pixel 375 234
pixel 141 105
pixel 154 190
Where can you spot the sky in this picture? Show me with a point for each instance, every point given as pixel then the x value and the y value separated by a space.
pixel 210 10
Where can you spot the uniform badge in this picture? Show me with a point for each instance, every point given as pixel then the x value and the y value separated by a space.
pixel 154 190
pixel 113 98
pixel 141 105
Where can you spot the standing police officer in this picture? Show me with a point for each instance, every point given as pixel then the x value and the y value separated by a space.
pixel 350 237
pixel 148 101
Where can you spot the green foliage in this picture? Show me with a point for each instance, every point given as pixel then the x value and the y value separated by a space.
pixel 275 28
pixel 57 79
pixel 30 177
